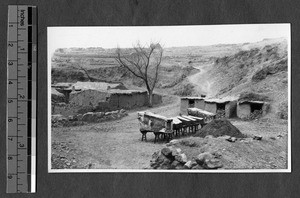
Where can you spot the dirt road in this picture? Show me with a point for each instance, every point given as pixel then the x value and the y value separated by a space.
pixel 200 80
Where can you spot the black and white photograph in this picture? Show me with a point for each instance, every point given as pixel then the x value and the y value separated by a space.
pixel 188 98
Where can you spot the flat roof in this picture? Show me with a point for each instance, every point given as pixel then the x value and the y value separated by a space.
pixel 221 100
pixel 192 98
pixel 251 101
pixel 121 91
pixel 95 85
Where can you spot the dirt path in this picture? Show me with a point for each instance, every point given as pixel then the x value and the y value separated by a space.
pixel 200 79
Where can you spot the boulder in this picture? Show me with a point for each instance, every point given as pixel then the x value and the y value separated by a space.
pixel 257 137
pixel 174 164
pixel 212 164
pixel 181 158
pixel 225 137
pixel 231 139
pixel 160 161
pixel 58 118
pixel 201 158
pixel 167 152
pixel 188 165
pixel 194 163
pixel 197 167
pixel 166 164
pixel 60 104
pixel 88 117
pixel 179 167
pixel 72 118
pixel 107 113
pixel 122 111
pixel 173 142
pixel 176 151
pixel 79 117
pixel 99 114
pixel 115 112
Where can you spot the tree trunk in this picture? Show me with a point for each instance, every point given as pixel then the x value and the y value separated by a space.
pixel 150 99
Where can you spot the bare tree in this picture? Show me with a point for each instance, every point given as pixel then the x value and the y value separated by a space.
pixel 80 66
pixel 143 63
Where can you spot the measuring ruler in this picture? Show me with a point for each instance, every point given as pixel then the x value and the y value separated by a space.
pixel 21 98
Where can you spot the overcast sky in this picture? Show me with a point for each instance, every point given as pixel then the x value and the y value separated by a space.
pixel 168 36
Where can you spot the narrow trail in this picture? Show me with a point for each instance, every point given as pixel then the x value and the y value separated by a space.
pixel 200 80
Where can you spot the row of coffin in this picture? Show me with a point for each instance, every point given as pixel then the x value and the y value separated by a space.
pixel 166 128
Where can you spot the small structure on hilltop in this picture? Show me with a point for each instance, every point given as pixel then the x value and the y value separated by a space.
pixel 191 102
pixel 247 107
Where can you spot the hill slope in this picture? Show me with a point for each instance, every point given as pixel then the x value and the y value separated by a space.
pixel 225 70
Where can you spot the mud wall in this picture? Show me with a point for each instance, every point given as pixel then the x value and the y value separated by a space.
pixel 265 108
pixel 200 104
pixel 184 105
pixel 230 109
pixel 104 101
pixel 211 107
pixel 157 99
pixel 133 100
pixel 88 97
pixel 243 110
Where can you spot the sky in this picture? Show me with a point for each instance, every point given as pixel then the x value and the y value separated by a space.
pixel 168 36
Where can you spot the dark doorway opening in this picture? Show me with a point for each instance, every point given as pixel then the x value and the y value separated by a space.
pixel 221 106
pixel 191 103
pixel 256 106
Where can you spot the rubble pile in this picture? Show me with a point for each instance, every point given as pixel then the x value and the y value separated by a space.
pixel 173 158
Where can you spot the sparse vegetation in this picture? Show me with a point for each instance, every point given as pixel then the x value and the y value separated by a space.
pixel 144 63
pixel 250 96
pixel 250 71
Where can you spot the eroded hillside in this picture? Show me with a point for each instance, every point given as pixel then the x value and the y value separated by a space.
pixel 225 70
pixel 259 68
